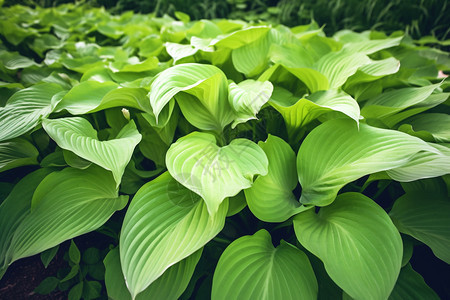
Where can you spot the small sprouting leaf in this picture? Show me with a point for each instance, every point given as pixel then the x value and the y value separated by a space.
pixel 76 291
pixel 47 285
pixel 252 268
pixel 357 242
pixel 74 253
pixel 214 172
pixel 48 255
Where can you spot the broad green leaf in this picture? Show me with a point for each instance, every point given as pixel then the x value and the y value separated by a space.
pixel 14 61
pixel 204 101
pixel 330 71
pixel 77 135
pixel 164 224
pixel 247 98
pixel 179 51
pixel 350 154
pixel 357 242
pixel 424 216
pixel 252 268
pixel 424 165
pixel 24 109
pixel 434 124
pixel 270 198
pixel 299 112
pixel 410 285
pixel 85 97
pixel 169 286
pixel 66 204
pixel 16 153
pixel 241 37
pixel 215 173
pixel 14 209
pixel 367 46
pixel 389 103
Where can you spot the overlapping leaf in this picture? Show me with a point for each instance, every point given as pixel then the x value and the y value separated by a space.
pixel 357 242
pixel 77 135
pixel 164 224
pixel 214 172
pixel 252 268
pixel 351 153
pixel 17 152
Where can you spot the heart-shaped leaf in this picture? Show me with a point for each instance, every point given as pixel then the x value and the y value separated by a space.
pixel 214 172
pixel 164 224
pixel 252 268
pixel 357 242
pixel 77 135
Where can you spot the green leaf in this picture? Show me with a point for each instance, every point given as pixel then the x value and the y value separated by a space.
pixel 424 216
pixel 14 61
pixel 76 291
pixel 47 285
pixel 178 51
pixel 164 224
pixel 392 102
pixel 247 98
pixel 204 98
pixel 91 289
pixel 270 198
pixel 25 108
pixel 85 96
pixel 241 37
pixel 48 255
pixel 169 286
pixel 357 242
pixel 77 135
pixel 410 285
pixel 252 268
pixel 14 209
pixel 75 161
pixel 299 112
pixel 91 256
pixel 74 270
pixel 16 153
pixel 349 155
pixel 66 204
pixel 434 124
pixel 74 253
pixel 214 172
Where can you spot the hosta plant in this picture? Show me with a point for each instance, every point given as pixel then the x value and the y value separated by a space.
pixel 243 161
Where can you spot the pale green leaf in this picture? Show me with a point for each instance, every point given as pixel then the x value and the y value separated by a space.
pixel 241 37
pixel 169 286
pixel 14 209
pixel 349 154
pixel 179 51
pixel 299 112
pixel 424 216
pixel 252 268
pixel 66 204
pixel 270 198
pixel 214 172
pixel 77 135
pixel 16 153
pixel 392 102
pixel 410 285
pixel 247 98
pixel 85 96
pixel 25 108
pixel 164 224
pixel 357 242
pixel 436 124
pixel 207 86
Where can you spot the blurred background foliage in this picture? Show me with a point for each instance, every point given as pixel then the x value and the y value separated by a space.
pixel 416 17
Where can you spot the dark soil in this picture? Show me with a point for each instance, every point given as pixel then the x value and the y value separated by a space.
pixel 24 275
